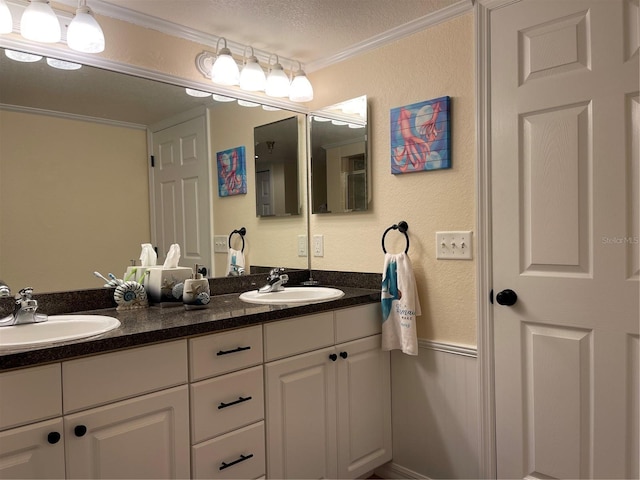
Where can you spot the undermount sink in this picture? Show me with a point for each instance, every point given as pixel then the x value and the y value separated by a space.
pixel 58 328
pixel 293 296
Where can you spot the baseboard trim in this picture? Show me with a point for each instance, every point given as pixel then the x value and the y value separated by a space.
pixel 393 470
pixel 463 350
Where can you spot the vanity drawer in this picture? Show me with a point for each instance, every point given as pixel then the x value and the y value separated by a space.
pixel 358 322
pixel 298 335
pixel 30 395
pixel 222 404
pixel 225 352
pixel 225 456
pixel 102 379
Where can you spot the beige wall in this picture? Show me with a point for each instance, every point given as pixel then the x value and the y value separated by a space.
pixel 51 169
pixel 430 64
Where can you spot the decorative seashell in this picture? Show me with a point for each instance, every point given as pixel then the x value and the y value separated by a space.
pixel 203 298
pixel 130 295
pixel 178 290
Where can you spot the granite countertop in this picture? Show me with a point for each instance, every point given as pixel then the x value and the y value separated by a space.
pixel 158 324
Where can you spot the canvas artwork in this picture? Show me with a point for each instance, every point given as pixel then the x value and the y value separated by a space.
pixel 232 172
pixel 420 136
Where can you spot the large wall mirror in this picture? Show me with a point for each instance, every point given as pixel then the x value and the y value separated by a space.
pixel 339 158
pixel 74 174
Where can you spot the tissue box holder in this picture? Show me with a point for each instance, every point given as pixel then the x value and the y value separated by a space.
pixel 160 281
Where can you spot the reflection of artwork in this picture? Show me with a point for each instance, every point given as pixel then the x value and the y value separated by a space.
pixel 420 137
pixel 232 172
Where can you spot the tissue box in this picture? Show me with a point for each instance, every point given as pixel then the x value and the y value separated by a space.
pixel 160 281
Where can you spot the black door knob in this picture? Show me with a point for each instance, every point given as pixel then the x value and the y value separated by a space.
pixel 507 297
pixel 53 437
pixel 344 354
pixel 80 430
pixel 333 357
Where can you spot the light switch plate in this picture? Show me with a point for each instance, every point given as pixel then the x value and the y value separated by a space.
pixel 454 245
pixel 220 244
pixel 302 245
pixel 318 246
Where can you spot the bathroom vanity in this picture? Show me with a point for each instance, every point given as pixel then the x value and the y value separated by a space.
pixel 281 392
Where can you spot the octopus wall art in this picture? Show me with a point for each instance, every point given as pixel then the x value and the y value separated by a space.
pixel 232 172
pixel 420 136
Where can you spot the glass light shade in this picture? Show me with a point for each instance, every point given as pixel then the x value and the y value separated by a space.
pixel 84 33
pixel 225 69
pixel 277 82
pixel 62 64
pixel 301 89
pixel 39 23
pixel 252 77
pixel 222 98
pixel 6 21
pixel 197 93
pixel 22 56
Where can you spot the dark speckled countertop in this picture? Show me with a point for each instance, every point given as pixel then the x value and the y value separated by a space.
pixel 158 324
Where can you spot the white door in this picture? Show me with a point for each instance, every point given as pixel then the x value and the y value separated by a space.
pixel 264 198
pixel 181 192
pixel 565 134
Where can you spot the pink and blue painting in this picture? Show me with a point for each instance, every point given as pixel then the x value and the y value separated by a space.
pixel 420 136
pixel 232 172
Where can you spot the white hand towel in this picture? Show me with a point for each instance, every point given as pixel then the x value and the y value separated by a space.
pixel 400 304
pixel 235 262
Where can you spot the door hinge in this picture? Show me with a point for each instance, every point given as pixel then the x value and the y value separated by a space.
pixel 153 161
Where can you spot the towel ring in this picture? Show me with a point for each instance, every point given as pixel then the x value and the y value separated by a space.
pixel 402 227
pixel 242 232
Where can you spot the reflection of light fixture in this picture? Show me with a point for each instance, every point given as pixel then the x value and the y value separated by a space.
pixel 6 21
pixel 338 122
pixel 252 77
pixel 277 80
pixel 197 93
pixel 225 69
pixel 84 33
pixel 269 108
pixel 356 125
pixel 270 145
pixel 245 103
pixel 301 89
pixel 63 65
pixel 22 56
pixel 222 98
pixel 320 119
pixel 40 23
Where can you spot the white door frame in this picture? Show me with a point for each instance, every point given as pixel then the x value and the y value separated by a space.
pixel 484 276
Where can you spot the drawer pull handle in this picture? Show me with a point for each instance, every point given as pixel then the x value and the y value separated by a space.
pixel 54 437
pixel 227 352
pixel 241 459
pixel 80 430
pixel 239 400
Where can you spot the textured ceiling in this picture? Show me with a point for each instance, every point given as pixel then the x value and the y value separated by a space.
pixel 305 30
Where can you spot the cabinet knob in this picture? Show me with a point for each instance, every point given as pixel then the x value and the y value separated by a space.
pixel 53 437
pixel 333 357
pixel 344 354
pixel 80 430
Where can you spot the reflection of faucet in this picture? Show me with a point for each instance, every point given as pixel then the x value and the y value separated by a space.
pixel 275 281
pixel 24 311
pixel 5 291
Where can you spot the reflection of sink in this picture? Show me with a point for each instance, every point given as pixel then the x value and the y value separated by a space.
pixel 58 328
pixel 293 296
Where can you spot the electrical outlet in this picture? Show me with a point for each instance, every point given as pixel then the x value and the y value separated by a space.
pixel 302 245
pixel 454 245
pixel 220 244
pixel 318 246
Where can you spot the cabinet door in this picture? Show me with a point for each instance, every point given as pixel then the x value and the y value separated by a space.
pixel 301 416
pixel 144 437
pixel 30 452
pixel 364 407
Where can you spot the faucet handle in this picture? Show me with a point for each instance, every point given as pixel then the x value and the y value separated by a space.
pixel 24 294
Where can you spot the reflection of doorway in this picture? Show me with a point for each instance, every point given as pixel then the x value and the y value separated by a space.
pixel 355 186
pixel 264 197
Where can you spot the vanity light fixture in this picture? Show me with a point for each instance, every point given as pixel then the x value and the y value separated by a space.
pixel 62 64
pixel 6 20
pixel 197 93
pixel 225 69
pixel 84 33
pixel 301 89
pixel 277 81
pixel 252 77
pixel 39 23
pixel 22 56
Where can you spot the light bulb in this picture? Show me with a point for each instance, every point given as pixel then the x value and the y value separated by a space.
pixel 6 21
pixel 39 23
pixel 252 77
pixel 84 33
pixel 277 82
pixel 301 89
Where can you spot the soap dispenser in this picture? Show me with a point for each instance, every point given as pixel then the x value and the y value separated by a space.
pixel 196 291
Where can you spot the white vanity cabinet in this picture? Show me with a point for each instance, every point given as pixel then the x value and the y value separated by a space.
pixel 227 404
pixel 328 410
pixel 30 446
pixel 127 414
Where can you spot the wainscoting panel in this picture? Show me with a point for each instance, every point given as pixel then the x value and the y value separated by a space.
pixel 435 413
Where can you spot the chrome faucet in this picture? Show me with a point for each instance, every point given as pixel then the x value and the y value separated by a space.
pixel 24 311
pixel 5 291
pixel 275 281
